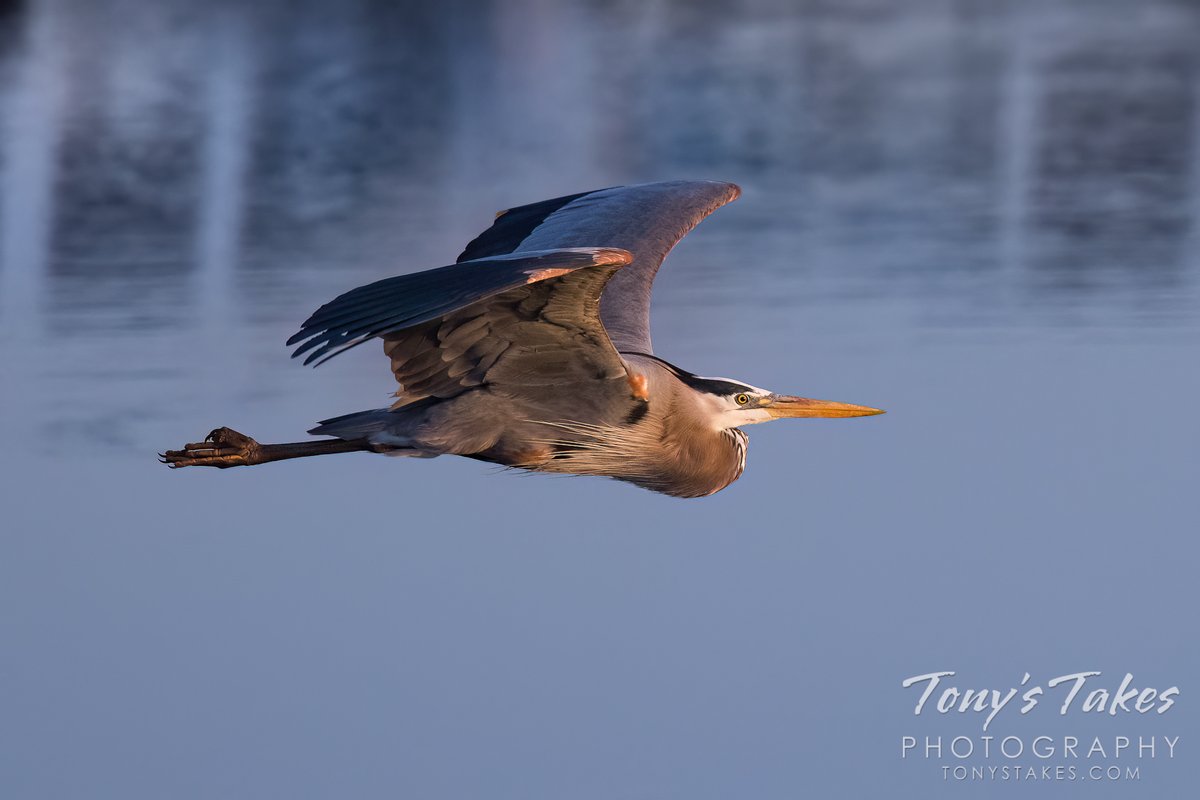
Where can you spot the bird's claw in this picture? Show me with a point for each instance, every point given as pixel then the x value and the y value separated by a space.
pixel 221 448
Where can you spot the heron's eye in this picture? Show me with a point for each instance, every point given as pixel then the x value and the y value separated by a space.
pixel 742 399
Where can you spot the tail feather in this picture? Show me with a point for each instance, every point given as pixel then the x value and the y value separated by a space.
pixel 359 425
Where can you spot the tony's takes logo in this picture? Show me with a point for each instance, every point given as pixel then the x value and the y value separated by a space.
pixel 1127 698
pixel 1026 757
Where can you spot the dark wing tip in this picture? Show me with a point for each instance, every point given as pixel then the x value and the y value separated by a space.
pixel 404 301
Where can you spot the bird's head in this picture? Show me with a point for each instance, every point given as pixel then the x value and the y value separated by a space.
pixel 732 404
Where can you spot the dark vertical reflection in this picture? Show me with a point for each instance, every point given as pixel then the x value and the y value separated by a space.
pixel 1113 164
pixel 127 182
pixel 351 127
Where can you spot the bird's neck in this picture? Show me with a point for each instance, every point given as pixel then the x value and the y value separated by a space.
pixel 700 458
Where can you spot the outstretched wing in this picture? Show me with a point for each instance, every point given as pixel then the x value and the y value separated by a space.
pixel 647 220
pixel 529 318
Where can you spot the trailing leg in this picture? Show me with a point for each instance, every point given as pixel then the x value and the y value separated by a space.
pixel 225 447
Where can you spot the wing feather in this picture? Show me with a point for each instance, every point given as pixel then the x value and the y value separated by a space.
pixel 527 319
pixel 407 301
pixel 647 220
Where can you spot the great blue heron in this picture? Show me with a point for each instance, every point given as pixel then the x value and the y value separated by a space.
pixel 533 351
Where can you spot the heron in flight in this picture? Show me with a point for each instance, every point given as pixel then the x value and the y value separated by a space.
pixel 533 351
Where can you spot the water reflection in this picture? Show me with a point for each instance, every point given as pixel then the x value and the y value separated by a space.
pixel 171 168
pixel 983 216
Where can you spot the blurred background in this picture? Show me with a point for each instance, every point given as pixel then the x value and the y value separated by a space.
pixel 981 216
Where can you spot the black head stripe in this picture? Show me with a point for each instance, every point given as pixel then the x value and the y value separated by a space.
pixel 716 386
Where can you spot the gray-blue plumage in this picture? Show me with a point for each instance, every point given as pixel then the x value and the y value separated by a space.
pixel 534 351
pixel 648 220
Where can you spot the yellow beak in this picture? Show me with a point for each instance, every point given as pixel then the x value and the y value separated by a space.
pixel 782 405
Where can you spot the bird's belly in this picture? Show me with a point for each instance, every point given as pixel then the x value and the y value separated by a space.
pixel 593 430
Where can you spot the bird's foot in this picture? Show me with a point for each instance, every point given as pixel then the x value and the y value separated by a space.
pixel 223 447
